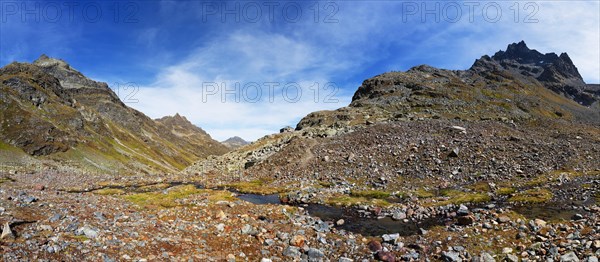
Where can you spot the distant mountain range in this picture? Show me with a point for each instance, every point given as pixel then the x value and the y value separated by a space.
pixel 54 113
pixel 235 142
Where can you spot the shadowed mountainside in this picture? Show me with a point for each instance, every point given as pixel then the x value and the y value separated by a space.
pixel 54 113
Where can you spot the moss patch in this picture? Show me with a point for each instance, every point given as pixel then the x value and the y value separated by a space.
pixel 218 195
pixel 422 193
pixel 503 191
pixel 480 187
pixel 108 191
pixel 348 201
pixel 459 197
pixel 163 199
pixel 81 238
pixel 538 195
pixel 371 194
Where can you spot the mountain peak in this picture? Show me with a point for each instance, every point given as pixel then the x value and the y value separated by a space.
pixel 517 47
pixel 46 61
pixel 521 53
pixel 235 142
pixel 557 73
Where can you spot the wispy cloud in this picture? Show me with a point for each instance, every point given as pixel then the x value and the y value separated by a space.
pixel 246 63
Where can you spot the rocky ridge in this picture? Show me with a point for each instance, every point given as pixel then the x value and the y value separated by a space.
pixel 56 115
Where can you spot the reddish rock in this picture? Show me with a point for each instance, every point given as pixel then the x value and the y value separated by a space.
pixel 465 220
pixel 298 241
pixel 386 256
pixel 39 187
pixel 374 246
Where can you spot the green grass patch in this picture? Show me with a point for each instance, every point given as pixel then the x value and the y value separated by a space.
pixel 109 191
pixel 325 184
pixel 480 187
pixel 422 193
pixel 81 238
pixel 163 199
pixel 459 197
pixel 503 191
pixel 537 195
pixel 371 194
pixel 219 195
pixel 348 201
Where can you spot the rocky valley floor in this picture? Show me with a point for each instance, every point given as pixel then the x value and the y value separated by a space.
pixel 516 207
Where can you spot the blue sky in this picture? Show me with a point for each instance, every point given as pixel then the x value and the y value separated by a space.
pixel 208 60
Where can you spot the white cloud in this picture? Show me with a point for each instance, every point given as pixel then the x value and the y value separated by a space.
pixel 271 61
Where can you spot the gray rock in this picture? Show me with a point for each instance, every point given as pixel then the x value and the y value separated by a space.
pixel 486 257
pixel 459 129
pixel 399 215
pixel 99 216
pixel 503 219
pixel 511 258
pixel 591 259
pixel 451 256
pixel 7 232
pixel 292 251
pixel 87 231
pixel 454 152
pixel 315 254
pixel 462 210
pixel 249 230
pixel 322 227
pixel 286 129
pixel 569 257
pixel 345 259
pixel 55 218
pixel 390 237
pixel 29 200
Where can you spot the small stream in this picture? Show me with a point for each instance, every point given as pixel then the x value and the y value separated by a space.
pixel 354 222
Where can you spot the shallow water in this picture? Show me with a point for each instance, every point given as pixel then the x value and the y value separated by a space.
pixel 547 212
pixel 370 226
pixel 353 222
pixel 260 199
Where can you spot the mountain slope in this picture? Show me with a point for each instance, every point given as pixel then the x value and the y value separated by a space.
pixel 519 85
pixel 54 112
pixel 415 128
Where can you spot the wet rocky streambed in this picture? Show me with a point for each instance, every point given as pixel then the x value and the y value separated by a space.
pixel 356 222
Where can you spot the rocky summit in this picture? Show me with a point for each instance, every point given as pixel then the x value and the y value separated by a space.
pixel 235 142
pixel 498 162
